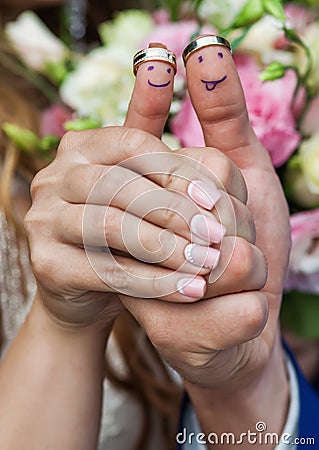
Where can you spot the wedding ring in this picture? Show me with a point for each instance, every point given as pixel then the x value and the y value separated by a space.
pixel 154 52
pixel 205 40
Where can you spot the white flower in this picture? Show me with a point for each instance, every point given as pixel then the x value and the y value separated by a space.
pixel 128 29
pixel 261 38
pixel 101 85
pixel 171 141
pixel 221 13
pixel 311 39
pixel 309 159
pixel 34 42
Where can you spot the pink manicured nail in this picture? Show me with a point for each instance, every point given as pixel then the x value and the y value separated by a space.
pixel 207 228
pixel 201 256
pixel 206 195
pixel 191 287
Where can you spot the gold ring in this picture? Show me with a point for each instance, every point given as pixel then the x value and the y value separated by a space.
pixel 205 40
pixel 154 52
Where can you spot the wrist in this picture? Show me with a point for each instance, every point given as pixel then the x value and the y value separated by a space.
pixel 238 408
pixel 41 322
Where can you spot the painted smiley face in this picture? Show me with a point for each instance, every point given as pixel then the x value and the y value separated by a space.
pixel 162 85
pixel 212 84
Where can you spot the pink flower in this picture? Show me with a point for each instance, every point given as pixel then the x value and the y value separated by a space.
pixel 52 120
pixel 185 125
pixel 303 272
pixel 176 35
pixel 299 17
pixel 269 108
pixel 161 16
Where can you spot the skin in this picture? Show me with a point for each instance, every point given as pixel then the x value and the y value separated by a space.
pixel 234 368
pixel 211 85
pixel 226 348
pixel 160 84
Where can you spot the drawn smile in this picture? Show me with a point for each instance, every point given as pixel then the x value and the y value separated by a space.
pixel 210 85
pixel 159 85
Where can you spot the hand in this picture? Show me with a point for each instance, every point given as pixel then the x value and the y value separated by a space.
pixel 91 197
pixel 229 343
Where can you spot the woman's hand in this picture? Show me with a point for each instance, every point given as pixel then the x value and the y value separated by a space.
pixel 120 188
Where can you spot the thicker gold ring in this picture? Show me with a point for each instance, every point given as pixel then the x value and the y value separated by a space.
pixel 154 54
pixel 205 40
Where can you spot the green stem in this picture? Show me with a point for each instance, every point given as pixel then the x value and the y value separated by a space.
pixel 40 83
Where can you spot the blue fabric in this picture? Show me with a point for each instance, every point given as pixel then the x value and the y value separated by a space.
pixel 309 411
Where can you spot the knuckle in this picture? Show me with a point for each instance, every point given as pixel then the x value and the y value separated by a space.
pixel 168 214
pixel 117 277
pixel 34 221
pixel 111 226
pixel 167 240
pixel 243 260
pixel 45 180
pixel 43 265
pixel 176 208
pixel 67 142
pixel 256 314
pixel 134 141
pixel 38 182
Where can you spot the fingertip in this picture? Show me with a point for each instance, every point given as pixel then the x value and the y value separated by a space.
pixel 217 96
pixel 155 68
pixel 192 287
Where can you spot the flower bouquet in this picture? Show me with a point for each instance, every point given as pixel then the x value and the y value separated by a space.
pixel 276 50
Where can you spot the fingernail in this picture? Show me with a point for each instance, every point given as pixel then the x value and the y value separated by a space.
pixel 205 194
pixel 201 256
pixel 207 228
pixel 191 287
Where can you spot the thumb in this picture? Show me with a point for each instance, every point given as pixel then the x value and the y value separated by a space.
pixel 218 99
pixel 153 91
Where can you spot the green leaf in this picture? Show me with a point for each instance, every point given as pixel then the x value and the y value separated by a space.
pixel 84 123
pixel 274 71
pixel 274 8
pixel 292 36
pixel 252 11
pixel 49 142
pixel 300 312
pixel 56 72
pixel 23 138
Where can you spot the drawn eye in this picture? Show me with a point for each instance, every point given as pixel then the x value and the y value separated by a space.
pixel 169 70
pixel 150 68
pixel 220 55
pixel 200 59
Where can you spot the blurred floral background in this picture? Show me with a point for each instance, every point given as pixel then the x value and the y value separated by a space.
pixel 276 50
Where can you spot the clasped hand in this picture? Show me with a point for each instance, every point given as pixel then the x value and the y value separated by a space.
pixel 200 290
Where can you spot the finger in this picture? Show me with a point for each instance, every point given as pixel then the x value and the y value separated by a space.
pixel 226 322
pixel 235 217
pixel 99 271
pixel 237 265
pixel 242 267
pixel 147 155
pixel 97 226
pixel 219 101
pixel 220 168
pixel 118 187
pixel 152 96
